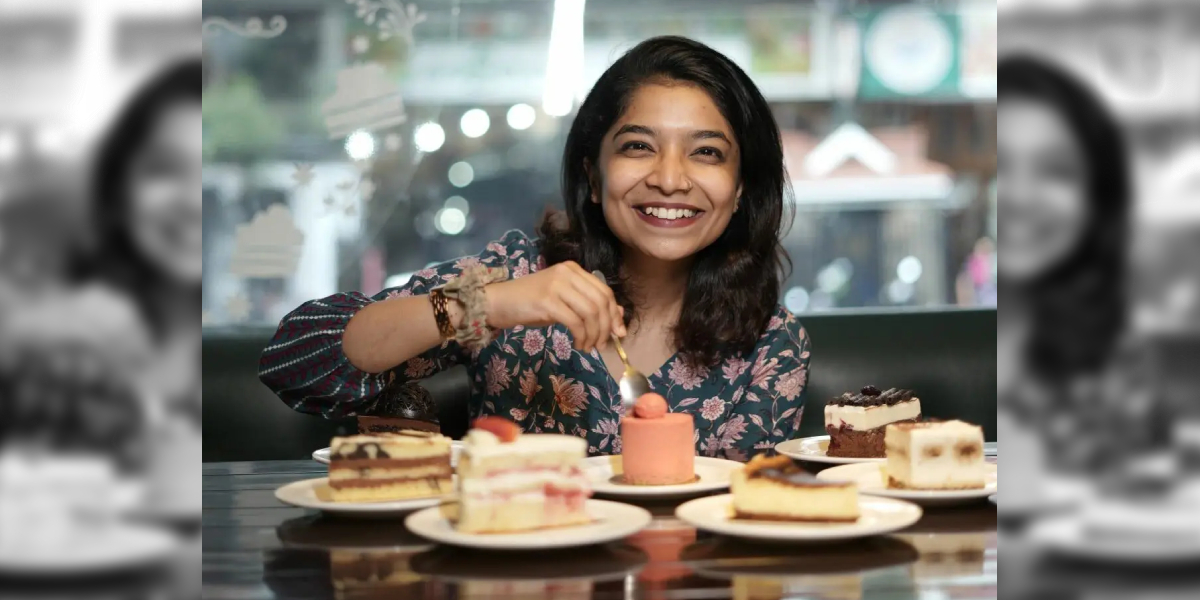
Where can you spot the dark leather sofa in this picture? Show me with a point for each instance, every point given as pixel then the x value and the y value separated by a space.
pixel 948 357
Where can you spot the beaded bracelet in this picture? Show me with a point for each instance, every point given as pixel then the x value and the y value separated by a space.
pixel 468 290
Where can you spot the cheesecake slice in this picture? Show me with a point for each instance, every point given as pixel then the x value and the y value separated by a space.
pixel 389 466
pixel 943 455
pixel 855 422
pixel 776 489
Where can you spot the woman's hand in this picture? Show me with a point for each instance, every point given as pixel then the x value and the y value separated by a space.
pixel 564 293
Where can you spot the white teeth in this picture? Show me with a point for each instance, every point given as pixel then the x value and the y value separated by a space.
pixel 669 214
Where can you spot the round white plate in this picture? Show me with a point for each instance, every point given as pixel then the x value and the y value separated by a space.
pixel 322 455
pixel 812 449
pixel 992 499
pixel 870 480
pixel 314 493
pixel 1066 536
pixel 713 473
pixel 117 547
pixel 879 516
pixel 613 521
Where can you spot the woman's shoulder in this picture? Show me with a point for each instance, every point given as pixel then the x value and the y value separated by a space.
pixel 784 329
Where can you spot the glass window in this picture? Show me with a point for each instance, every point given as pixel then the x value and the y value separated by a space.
pixel 366 140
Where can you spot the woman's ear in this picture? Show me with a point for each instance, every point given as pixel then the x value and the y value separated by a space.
pixel 737 199
pixel 593 182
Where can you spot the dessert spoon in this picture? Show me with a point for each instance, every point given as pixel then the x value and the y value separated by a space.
pixel 633 384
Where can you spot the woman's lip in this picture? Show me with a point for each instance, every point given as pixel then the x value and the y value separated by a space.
pixel 668 223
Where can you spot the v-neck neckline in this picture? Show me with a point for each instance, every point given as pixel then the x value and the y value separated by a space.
pixel 615 381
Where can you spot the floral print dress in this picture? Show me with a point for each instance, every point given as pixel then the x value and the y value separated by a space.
pixel 742 406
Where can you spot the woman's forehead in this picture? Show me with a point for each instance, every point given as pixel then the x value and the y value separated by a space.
pixel 673 107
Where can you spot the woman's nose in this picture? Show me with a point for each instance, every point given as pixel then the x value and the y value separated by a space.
pixel 670 174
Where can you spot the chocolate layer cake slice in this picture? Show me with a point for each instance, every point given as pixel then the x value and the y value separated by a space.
pixel 856 422
pixel 389 466
pixel 776 489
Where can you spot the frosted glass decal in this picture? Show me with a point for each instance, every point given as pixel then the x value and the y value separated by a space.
pixel 391 18
pixel 268 246
pixel 365 99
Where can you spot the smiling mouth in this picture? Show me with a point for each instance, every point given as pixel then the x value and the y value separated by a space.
pixel 665 213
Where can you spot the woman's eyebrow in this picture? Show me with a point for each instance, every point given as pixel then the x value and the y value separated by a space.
pixel 709 134
pixel 631 128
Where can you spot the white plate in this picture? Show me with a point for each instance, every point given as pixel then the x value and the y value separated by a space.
pixel 879 516
pixel 714 474
pixel 812 449
pixel 322 455
pixel 870 480
pixel 314 493
pixel 1066 536
pixel 613 521
pixel 118 547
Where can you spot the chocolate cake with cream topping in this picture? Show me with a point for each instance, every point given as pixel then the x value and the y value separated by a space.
pixel 776 489
pixel 389 466
pixel 856 422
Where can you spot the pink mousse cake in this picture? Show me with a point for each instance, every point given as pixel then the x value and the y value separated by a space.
pixel 657 447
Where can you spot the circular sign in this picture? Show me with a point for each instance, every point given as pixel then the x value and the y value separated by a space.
pixel 909 49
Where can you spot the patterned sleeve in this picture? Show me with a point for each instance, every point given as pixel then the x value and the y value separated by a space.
pixel 769 411
pixel 305 366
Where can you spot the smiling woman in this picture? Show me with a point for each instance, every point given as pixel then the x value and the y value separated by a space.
pixel 673 180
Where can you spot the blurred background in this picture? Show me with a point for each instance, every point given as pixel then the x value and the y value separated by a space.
pixel 1105 455
pixel 396 139
pixel 99 353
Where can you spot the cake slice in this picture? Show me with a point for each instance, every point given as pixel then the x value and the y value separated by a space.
pixel 944 455
pixel 512 482
pixel 855 422
pixel 389 466
pixel 776 489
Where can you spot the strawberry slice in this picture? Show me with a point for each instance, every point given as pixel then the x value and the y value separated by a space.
pixel 502 428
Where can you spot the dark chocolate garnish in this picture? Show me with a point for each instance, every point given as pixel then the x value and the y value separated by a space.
pixel 870 396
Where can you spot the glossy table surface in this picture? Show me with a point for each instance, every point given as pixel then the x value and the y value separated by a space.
pixel 256 547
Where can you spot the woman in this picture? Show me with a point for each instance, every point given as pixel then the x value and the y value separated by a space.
pixel 674 186
pixel 1064 196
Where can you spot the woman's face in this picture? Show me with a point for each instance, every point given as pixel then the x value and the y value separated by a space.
pixel 668 172
pixel 166 205
pixel 1043 199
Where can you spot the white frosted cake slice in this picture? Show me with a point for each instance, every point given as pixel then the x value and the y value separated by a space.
pixel 512 482
pixel 946 455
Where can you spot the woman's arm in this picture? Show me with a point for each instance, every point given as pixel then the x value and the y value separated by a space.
pixel 334 356
pixel 769 411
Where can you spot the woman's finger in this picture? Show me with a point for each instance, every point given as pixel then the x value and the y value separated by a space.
pixel 587 310
pixel 602 303
pixel 616 322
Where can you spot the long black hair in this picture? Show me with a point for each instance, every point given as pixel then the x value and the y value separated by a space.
pixel 1079 306
pixel 118 259
pixel 733 288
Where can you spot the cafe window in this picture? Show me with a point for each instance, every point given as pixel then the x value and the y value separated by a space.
pixel 350 144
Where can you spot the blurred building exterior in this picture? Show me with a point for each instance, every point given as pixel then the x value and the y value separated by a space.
pixel 887 111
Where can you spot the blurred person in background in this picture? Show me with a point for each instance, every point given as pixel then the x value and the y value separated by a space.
pixel 976 285
pixel 1064 205
pixel 147 213
pixel 674 183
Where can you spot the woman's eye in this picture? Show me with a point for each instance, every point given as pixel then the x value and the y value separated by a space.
pixel 710 152
pixel 635 147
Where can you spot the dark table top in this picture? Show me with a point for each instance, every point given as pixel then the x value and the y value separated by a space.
pixel 256 547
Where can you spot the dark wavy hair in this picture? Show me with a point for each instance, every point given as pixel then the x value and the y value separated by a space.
pixel 733 288
pixel 1079 306
pixel 118 260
